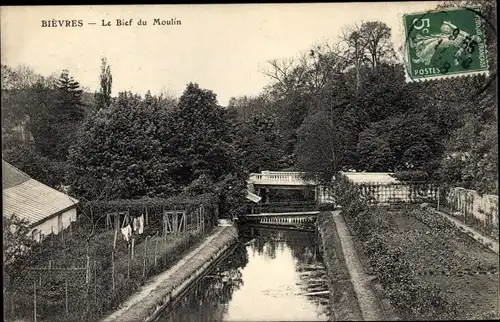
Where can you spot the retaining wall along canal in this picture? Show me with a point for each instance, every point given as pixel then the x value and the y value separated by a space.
pixel 343 301
pixel 164 288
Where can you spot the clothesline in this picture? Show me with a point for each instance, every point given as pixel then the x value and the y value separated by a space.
pixel 137 226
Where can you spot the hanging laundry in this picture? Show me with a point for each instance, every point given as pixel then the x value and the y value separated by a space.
pixel 136 224
pixel 141 224
pixel 127 232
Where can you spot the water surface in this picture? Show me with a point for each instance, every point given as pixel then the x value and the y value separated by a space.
pixel 272 275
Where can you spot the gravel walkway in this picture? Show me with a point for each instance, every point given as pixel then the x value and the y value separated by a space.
pixel 476 234
pixel 145 292
pixel 367 300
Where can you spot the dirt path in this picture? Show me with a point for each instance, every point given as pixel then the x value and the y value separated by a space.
pixel 158 280
pixel 367 300
pixel 476 234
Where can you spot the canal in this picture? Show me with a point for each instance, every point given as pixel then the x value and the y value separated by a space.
pixel 271 274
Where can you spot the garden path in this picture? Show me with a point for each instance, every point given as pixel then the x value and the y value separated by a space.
pixel 367 300
pixel 476 234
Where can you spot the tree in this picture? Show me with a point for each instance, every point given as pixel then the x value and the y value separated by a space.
pixel 247 106
pixel 55 116
pixel 259 143
pixel 401 142
pixel 103 97
pixel 203 136
pixel 17 245
pixel 369 44
pixel 203 144
pixel 123 152
pixel 323 144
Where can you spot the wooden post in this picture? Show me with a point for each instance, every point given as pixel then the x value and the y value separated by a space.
pixel 438 198
pixel 128 262
pixel 95 284
pixel 87 271
pixel 156 247
pixel 203 221
pixel 113 269
pixel 144 261
pixel 133 245
pixel 114 241
pixel 34 302
pixel 66 291
pixel 147 221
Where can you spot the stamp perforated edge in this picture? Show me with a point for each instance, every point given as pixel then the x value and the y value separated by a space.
pixel 408 77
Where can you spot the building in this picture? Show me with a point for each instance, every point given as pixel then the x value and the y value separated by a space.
pixel 46 209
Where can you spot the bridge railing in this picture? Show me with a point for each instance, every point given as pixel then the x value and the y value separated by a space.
pixel 278 177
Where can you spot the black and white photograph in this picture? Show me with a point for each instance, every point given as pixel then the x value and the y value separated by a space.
pixel 250 162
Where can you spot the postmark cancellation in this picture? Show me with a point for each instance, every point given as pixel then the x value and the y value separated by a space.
pixel 445 43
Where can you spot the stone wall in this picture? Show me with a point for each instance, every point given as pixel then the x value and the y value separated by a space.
pixel 479 211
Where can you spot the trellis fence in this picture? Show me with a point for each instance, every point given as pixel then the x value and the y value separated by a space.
pixel 391 193
pixel 387 193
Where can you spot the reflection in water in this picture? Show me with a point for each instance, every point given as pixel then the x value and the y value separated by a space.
pixel 271 275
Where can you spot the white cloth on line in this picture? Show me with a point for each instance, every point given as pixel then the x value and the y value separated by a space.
pixel 127 232
pixel 136 224
pixel 141 224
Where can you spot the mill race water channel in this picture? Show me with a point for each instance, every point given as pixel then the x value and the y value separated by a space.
pixel 271 274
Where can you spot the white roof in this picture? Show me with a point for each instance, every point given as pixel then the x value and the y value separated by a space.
pixel 370 177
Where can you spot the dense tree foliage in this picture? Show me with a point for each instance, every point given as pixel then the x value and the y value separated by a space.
pixel 144 147
pixel 40 118
pixel 118 153
pixel 341 105
pixel 258 141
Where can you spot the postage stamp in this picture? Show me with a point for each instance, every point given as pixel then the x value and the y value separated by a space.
pixel 444 43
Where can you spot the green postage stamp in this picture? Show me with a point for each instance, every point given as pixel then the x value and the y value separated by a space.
pixel 445 43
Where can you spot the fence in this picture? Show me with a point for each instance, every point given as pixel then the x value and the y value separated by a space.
pixel 414 192
pixel 387 193
pixel 480 212
pixel 70 279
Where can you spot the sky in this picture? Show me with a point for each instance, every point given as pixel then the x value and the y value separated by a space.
pixel 224 48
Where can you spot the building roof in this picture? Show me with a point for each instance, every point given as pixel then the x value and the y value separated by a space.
pixel 370 177
pixel 30 199
pixel 12 176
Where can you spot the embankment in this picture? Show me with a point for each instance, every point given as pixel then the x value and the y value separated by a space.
pixel 343 300
pixel 163 289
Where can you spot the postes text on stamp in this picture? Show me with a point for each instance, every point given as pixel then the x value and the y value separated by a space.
pixel 445 43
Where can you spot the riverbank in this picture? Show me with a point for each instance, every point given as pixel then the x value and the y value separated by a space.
pixel 156 294
pixel 343 300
